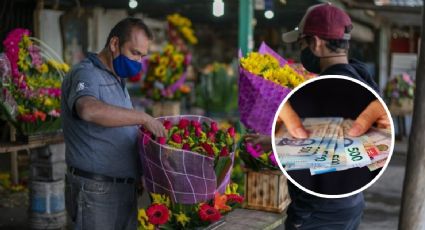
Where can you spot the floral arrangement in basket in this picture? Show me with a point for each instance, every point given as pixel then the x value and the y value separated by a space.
pixel 192 165
pixel 256 158
pixel 265 78
pixel 166 75
pixel 399 88
pixel 180 31
pixel 164 214
pixel 31 77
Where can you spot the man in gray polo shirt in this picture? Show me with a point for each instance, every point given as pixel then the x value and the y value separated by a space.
pixel 100 129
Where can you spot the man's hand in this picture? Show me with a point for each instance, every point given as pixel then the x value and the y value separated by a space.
pixel 374 113
pixel 155 127
pixel 292 122
pixel 263 140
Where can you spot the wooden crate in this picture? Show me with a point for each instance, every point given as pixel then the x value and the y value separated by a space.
pixel 266 190
pixel 169 108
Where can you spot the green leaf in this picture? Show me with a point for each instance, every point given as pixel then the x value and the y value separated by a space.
pixel 222 166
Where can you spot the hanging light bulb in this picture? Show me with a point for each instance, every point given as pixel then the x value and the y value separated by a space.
pixel 132 4
pixel 218 8
pixel 269 14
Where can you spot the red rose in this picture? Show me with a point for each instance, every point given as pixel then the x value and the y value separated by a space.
pixel 211 136
pixel 158 214
pixel 162 140
pixel 208 213
pixel 231 131
pixel 224 152
pixel 198 131
pixel 195 124
pixel 214 126
pixel 186 133
pixel 208 149
pixel 167 125
pixel 234 198
pixel 186 146
pixel 176 138
pixel 183 123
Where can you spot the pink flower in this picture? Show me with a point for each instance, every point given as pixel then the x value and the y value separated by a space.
pixel 231 131
pixel 195 124
pixel 273 159
pixel 224 152
pixel 214 126
pixel 55 113
pixel 252 151
pixel 27 118
pixel 162 140
pixel 176 138
pixel 146 138
pixel 183 123
pixel 186 146
pixel 167 125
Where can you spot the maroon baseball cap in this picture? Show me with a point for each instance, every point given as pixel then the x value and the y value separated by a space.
pixel 323 20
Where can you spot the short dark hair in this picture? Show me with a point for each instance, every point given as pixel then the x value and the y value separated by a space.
pixel 333 45
pixel 123 29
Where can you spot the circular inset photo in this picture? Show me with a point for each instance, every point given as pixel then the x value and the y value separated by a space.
pixel 333 136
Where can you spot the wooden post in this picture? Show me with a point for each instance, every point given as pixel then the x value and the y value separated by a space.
pixel 14 173
pixel 412 215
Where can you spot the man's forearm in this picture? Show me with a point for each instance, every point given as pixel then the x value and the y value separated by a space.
pixel 92 110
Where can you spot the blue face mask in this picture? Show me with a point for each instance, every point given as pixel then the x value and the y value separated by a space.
pixel 124 67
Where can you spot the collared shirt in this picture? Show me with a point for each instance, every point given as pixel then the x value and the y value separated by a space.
pixel 91 147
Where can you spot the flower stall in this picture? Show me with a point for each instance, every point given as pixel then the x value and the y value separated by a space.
pixel 31 76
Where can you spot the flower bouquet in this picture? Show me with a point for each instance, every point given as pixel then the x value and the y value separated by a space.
pixel 192 163
pixel 399 92
pixel 265 80
pixel 31 76
pixel 180 31
pixel 164 214
pixel 166 74
pixel 256 158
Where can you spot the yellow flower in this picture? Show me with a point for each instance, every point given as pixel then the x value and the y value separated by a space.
pixel 182 218
pixel 65 67
pixel 43 68
pixel 231 188
pixel 160 199
pixel 168 48
pixel 160 71
pixel 22 109
pixel 48 102
pixel 143 220
pixel 178 59
pixel 164 60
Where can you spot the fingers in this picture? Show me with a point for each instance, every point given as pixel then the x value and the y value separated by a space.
pixel 292 122
pixel 373 112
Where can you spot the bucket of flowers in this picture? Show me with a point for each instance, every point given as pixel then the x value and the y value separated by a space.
pixel 165 80
pixel 31 76
pixel 192 165
pixel 265 78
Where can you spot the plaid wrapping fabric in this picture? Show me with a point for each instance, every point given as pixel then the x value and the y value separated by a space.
pixel 185 176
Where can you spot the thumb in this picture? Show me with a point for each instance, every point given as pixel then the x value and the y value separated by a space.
pixel 292 122
pixel 365 120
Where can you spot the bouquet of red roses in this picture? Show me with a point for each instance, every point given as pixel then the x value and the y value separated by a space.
pixel 191 163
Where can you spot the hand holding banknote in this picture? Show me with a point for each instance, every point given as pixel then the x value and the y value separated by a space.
pixel 292 122
pixel 374 113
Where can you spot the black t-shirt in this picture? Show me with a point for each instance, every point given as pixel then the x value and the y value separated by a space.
pixel 333 98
